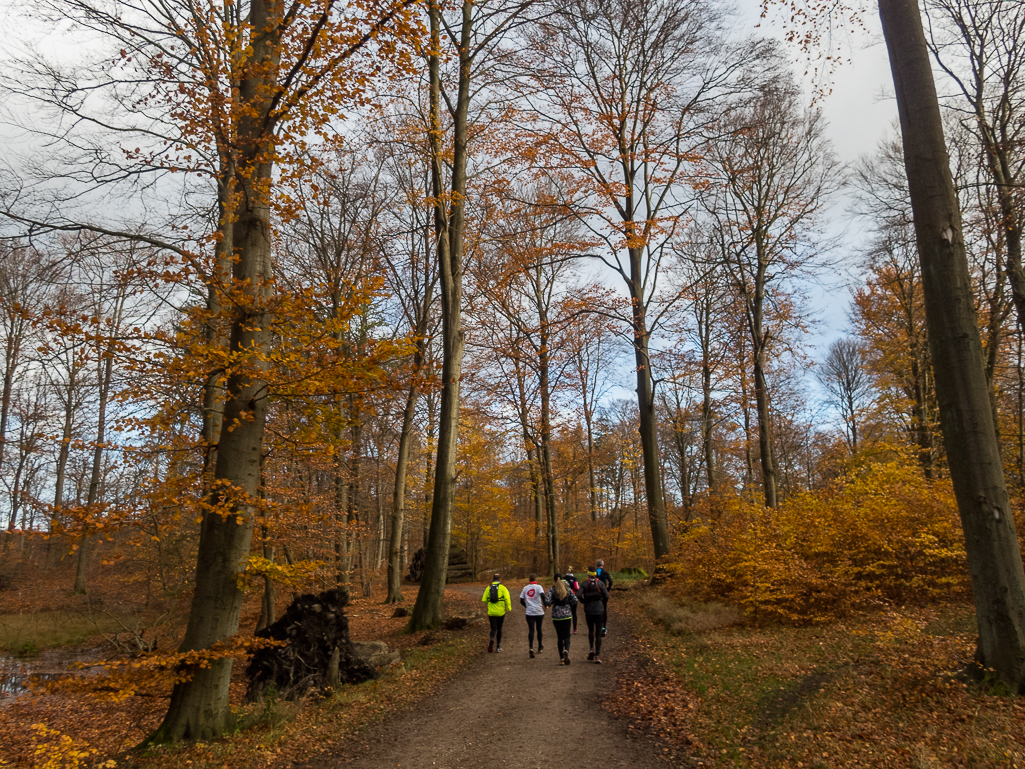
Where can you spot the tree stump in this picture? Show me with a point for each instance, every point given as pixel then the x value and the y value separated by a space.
pixel 318 654
pixel 416 566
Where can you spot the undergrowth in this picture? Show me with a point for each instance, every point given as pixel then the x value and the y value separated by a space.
pixel 26 634
pixel 881 689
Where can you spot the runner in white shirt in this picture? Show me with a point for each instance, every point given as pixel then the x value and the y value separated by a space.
pixel 533 598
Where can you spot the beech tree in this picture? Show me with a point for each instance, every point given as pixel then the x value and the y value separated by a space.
pixel 889 312
pixel 622 93
pixel 412 277
pixel 991 539
pixel 980 46
pixel 242 86
pixel 771 179
pixel 849 387
pixel 474 36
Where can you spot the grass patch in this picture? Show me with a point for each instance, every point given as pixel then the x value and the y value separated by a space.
pixel 683 619
pixel 632 574
pixel 877 690
pixel 28 634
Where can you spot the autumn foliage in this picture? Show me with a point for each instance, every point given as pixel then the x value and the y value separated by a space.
pixel 884 534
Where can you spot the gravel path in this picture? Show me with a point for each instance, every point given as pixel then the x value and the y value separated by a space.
pixel 507 710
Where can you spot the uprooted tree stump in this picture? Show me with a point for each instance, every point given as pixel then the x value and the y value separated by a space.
pixel 318 654
pixel 416 565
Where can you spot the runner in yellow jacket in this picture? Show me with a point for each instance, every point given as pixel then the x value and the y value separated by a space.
pixel 496 597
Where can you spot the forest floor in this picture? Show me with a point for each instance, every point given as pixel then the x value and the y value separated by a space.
pixel 681 685
pixel 450 704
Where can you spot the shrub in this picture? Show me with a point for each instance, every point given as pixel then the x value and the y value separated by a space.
pixel 884 535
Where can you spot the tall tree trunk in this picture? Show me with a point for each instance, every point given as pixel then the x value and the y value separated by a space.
pixel 213 388
pixel 353 529
pixel 199 707
pixel 592 481
pixel 63 455
pixel 399 499
pixel 529 444
pixel 341 505
pixel 546 442
pixel 765 455
pixel 267 603
pixel 646 416
pixel 402 462
pixel 428 610
pixel 106 371
pixel 11 355
pixel 991 541
pixel 755 300
pixel 920 428
pixel 1020 415
pixel 431 458
pixel 706 422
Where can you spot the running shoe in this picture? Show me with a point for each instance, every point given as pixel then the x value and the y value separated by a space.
pixel 491 646
pixel 590 655
pixel 604 632
pixel 498 649
pixel 540 648
pixel 532 654
pixel 565 658
pixel 597 661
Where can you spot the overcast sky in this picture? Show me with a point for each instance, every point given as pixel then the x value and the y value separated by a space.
pixel 861 111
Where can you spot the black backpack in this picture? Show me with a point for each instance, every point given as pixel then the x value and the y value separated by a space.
pixel 493 594
pixel 591 591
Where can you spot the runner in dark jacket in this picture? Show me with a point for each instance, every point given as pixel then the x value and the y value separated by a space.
pixel 572 584
pixel 605 578
pixel 595 597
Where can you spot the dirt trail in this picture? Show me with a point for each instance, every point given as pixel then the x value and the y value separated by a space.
pixel 507 710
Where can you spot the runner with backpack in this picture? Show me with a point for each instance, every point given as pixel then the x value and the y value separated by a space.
pixel 532 597
pixel 595 596
pixel 562 600
pixel 496 596
pixel 572 584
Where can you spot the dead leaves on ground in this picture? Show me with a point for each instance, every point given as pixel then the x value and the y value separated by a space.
pixel 92 730
pixel 881 690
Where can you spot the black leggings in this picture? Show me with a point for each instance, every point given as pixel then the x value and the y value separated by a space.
pixel 534 621
pixel 563 628
pixel 496 629
pixel 594 626
pixel 574 610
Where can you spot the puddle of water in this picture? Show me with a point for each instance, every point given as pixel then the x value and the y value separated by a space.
pixel 17 673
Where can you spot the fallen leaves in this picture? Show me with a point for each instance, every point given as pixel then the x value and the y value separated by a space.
pixel 880 689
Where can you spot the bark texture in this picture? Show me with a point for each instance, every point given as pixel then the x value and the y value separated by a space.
pixel 199 707
pixel 449 222
pixel 991 542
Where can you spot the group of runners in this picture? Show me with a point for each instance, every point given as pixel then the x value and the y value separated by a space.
pixel 563 597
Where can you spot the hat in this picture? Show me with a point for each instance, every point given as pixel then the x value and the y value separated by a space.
pixel 592 574
pixel 558 576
